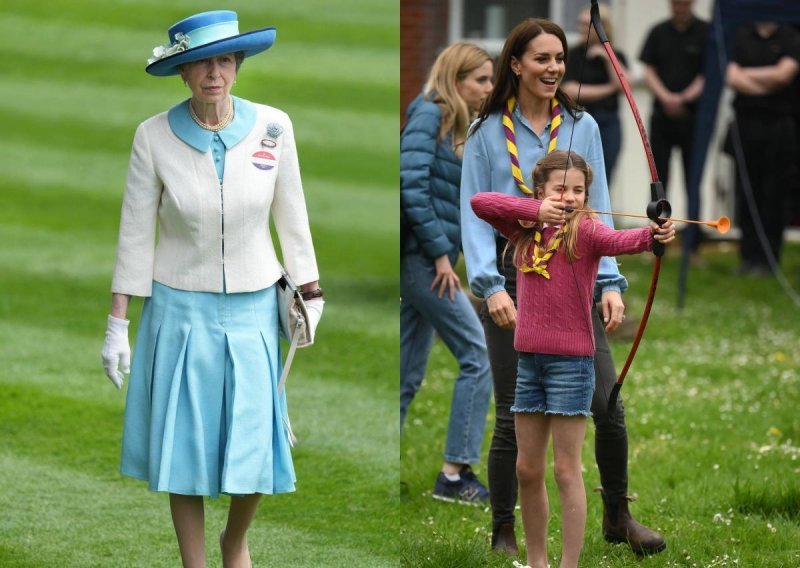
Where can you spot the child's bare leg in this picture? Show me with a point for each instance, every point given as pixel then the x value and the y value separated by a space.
pixel 188 518
pixel 234 538
pixel 533 433
pixel 568 435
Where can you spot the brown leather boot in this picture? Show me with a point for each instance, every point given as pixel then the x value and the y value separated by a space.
pixel 620 526
pixel 504 540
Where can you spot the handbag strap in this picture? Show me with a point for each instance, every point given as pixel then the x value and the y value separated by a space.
pixel 289 357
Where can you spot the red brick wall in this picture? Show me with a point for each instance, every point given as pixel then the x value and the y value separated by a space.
pixel 423 34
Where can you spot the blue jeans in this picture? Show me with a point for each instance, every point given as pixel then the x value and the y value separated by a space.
pixel 554 384
pixel 457 324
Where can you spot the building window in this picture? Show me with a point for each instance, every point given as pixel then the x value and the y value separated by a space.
pixel 487 23
pixel 493 20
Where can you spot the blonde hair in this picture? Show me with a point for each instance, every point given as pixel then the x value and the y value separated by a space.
pixel 605 19
pixel 557 161
pixel 452 65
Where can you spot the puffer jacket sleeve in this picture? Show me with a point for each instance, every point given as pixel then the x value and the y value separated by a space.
pixel 417 153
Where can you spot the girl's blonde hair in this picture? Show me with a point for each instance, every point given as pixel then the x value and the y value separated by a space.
pixel 556 163
pixel 453 65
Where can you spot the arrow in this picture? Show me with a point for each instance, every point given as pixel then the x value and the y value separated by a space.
pixel 723 224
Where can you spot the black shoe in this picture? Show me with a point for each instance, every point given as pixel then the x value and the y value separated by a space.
pixel 466 491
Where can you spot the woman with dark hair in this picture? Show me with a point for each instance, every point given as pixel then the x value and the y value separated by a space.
pixel 527 116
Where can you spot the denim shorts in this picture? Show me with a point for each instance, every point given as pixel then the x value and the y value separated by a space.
pixel 554 384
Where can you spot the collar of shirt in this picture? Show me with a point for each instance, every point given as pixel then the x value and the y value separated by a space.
pixel 526 124
pixel 185 128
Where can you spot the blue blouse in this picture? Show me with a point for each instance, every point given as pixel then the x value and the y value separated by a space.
pixel 486 167
pixel 185 128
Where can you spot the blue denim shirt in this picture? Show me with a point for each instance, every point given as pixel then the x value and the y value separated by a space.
pixel 486 167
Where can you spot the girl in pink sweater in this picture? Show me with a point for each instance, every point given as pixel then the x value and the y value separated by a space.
pixel 558 244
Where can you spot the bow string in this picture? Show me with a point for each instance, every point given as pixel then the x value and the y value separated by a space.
pixel 657 209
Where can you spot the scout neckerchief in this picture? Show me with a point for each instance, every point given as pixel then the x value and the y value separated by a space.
pixel 539 259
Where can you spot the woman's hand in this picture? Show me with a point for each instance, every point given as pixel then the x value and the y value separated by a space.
pixel 314 308
pixel 613 310
pixel 116 354
pixel 446 279
pixel 502 310
pixel 663 234
pixel 596 50
pixel 551 211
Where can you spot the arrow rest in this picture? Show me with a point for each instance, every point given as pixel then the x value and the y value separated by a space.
pixel 658 210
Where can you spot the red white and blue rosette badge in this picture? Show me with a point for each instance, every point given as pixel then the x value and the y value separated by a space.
pixel 263 160
pixel 273 131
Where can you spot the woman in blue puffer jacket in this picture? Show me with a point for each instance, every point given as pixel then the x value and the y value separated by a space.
pixel 431 146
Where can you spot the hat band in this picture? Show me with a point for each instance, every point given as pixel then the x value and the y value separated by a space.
pixel 195 38
pixel 212 32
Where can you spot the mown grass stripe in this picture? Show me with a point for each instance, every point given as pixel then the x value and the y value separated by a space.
pixel 369 23
pixel 45 424
pixel 135 94
pixel 131 48
pixel 343 128
pixel 75 499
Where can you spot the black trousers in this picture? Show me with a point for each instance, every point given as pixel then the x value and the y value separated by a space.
pixel 769 144
pixel 665 134
pixel 611 435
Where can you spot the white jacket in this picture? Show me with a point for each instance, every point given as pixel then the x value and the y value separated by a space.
pixel 176 185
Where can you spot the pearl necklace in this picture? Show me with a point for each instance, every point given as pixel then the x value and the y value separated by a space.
pixel 226 120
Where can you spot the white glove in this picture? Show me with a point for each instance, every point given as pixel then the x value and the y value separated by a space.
pixel 314 308
pixel 116 352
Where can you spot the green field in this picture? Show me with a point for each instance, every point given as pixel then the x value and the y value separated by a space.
pixel 712 414
pixel 72 92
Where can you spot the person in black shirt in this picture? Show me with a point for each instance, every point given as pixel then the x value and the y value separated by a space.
pixel 591 75
pixel 673 72
pixel 762 71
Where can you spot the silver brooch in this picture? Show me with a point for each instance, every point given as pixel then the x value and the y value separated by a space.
pixel 274 130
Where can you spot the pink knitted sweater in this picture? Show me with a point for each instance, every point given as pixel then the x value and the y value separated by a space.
pixel 554 316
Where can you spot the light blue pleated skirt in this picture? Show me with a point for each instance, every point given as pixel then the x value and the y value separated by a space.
pixel 203 415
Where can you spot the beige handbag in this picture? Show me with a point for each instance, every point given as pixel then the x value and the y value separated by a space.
pixel 294 327
pixel 294 323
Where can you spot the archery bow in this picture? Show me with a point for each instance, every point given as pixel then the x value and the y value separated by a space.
pixel 657 209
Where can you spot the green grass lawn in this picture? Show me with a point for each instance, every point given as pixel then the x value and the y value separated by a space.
pixel 72 93
pixel 712 413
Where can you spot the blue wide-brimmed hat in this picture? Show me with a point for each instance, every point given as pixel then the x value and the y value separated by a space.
pixel 204 35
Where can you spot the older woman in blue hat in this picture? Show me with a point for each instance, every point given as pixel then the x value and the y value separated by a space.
pixel 204 413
